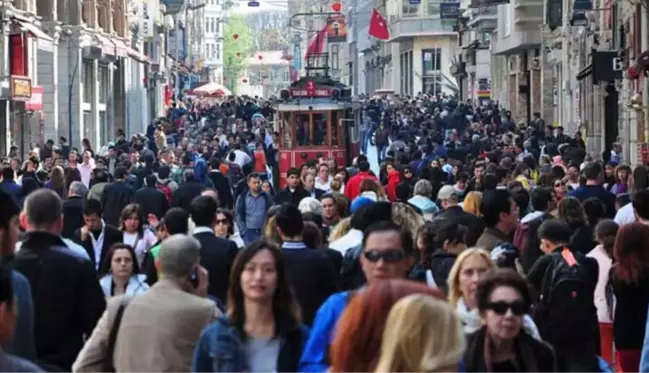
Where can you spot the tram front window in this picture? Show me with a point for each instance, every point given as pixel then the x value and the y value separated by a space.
pixel 319 129
pixel 302 129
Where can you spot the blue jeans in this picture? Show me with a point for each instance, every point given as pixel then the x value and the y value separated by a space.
pixel 380 153
pixel 364 140
pixel 251 235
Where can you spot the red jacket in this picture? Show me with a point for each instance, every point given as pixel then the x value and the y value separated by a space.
pixel 393 181
pixel 352 189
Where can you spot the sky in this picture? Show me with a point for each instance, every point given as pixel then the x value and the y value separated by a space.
pixel 243 7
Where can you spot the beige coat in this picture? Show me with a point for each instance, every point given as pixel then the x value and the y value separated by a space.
pixel 159 330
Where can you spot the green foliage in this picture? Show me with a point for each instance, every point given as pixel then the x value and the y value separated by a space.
pixel 232 65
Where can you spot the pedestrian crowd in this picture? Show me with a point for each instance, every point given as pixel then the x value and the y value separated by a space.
pixel 476 244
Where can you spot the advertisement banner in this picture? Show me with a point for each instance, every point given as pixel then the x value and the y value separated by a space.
pixel 336 29
pixel 147 13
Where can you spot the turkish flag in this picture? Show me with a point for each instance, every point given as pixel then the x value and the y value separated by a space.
pixel 318 43
pixel 378 26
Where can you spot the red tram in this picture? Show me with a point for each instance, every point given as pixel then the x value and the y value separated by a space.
pixel 316 117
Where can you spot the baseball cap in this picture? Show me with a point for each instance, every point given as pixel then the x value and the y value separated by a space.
pixel 360 202
pixel 446 192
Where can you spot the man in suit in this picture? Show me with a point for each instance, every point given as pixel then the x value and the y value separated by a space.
pixel 67 298
pixel 221 184
pixel 73 209
pixel 310 272
pixel 168 318
pixel 309 186
pixel 217 254
pixel 116 196
pixel 95 235
pixel 151 200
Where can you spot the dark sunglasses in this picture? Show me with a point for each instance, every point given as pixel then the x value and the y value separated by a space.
pixel 518 307
pixel 559 184
pixel 222 221
pixel 389 256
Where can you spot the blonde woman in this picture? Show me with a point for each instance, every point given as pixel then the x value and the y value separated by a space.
pixel 470 267
pixel 341 229
pixel 405 216
pixel 425 335
pixel 472 202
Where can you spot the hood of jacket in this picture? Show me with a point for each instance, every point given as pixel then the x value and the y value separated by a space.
pixel 136 284
pixel 424 204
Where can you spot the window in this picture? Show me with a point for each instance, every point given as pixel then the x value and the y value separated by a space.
pixel 103 83
pixel 433 7
pixel 409 10
pixel 302 129
pixel 207 24
pixel 87 82
pixel 88 126
pixel 334 56
pixel 286 75
pixel 432 60
pixel 218 51
pixel 320 129
pixel 508 19
pixel 212 25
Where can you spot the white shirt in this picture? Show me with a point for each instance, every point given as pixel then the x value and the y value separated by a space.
pixel 139 243
pixel 326 186
pixel 353 238
pixel 605 263
pixel 241 158
pixel 625 215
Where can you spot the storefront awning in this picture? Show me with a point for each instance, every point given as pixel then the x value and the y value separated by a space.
pixel 106 45
pixel 44 41
pixel 138 56
pixel 585 72
pixel 121 48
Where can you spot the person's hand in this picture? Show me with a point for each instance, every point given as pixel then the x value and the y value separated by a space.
pixel 152 220
pixel 84 232
pixel 203 282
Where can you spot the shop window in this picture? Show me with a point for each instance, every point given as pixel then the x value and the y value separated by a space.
pixel 409 10
pixel 432 60
pixel 18 58
pixel 87 82
pixel 104 82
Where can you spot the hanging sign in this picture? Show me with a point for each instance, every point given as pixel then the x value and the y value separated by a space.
pixel 449 10
pixel 336 29
pixel 414 2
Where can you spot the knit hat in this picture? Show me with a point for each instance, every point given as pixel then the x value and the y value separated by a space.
pixel 10 208
pixel 360 202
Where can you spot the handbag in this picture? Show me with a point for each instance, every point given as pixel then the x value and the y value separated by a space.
pixel 108 365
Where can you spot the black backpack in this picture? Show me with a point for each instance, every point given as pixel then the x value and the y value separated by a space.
pixel 564 311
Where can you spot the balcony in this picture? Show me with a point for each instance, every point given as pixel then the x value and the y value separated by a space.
pixel 402 28
pixel 517 41
pixel 522 4
pixel 483 19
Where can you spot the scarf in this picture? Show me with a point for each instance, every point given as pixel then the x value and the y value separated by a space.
pixel 471 321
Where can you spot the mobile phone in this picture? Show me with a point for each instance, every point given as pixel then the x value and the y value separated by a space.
pixel 193 278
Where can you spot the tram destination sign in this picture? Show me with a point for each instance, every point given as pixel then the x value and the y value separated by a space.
pixel 310 90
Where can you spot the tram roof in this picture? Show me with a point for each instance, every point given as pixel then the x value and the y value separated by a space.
pixel 314 104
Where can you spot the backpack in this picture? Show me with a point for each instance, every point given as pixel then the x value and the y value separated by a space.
pixel 164 188
pixel 527 242
pixel 352 276
pixel 566 303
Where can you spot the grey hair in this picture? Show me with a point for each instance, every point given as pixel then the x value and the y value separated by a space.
pixel 77 188
pixel 43 208
pixel 178 255
pixel 310 204
pixel 423 188
pixel 188 174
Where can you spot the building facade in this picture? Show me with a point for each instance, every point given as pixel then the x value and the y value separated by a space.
pixel 214 22
pixel 265 75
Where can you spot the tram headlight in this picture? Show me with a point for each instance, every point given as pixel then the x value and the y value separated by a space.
pixel 335 93
pixel 285 94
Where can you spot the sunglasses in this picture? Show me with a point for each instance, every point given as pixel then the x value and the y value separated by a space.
pixel 389 256
pixel 222 221
pixel 559 184
pixel 500 308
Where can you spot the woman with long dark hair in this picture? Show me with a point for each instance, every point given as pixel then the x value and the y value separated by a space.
pixel 134 233
pixel 261 331
pixel 630 279
pixel 121 272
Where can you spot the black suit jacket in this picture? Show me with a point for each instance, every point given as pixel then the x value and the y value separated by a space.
pixel 222 186
pixel 114 198
pixel 112 236
pixel 217 256
pixel 186 193
pixel 72 216
pixel 152 201
pixel 294 198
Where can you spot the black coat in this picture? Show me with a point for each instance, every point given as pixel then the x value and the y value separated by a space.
pixel 68 300
pixel 115 197
pixel 152 201
pixel 217 256
pixel 112 236
pixel 474 224
pixel 294 198
pixel 72 216
pixel 186 193
pixel 222 186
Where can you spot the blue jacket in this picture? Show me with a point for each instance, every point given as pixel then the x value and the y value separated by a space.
pixel 221 348
pixel 315 356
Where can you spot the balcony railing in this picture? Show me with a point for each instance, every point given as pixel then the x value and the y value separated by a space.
pixel 483 19
pixel 409 27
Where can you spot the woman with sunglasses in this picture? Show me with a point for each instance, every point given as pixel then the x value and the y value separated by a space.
pixel 224 227
pixel 501 344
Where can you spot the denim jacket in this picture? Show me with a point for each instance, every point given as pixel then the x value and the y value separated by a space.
pixel 222 349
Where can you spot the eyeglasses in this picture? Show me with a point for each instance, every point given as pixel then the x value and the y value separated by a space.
pixel 559 184
pixel 500 308
pixel 222 221
pixel 389 256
